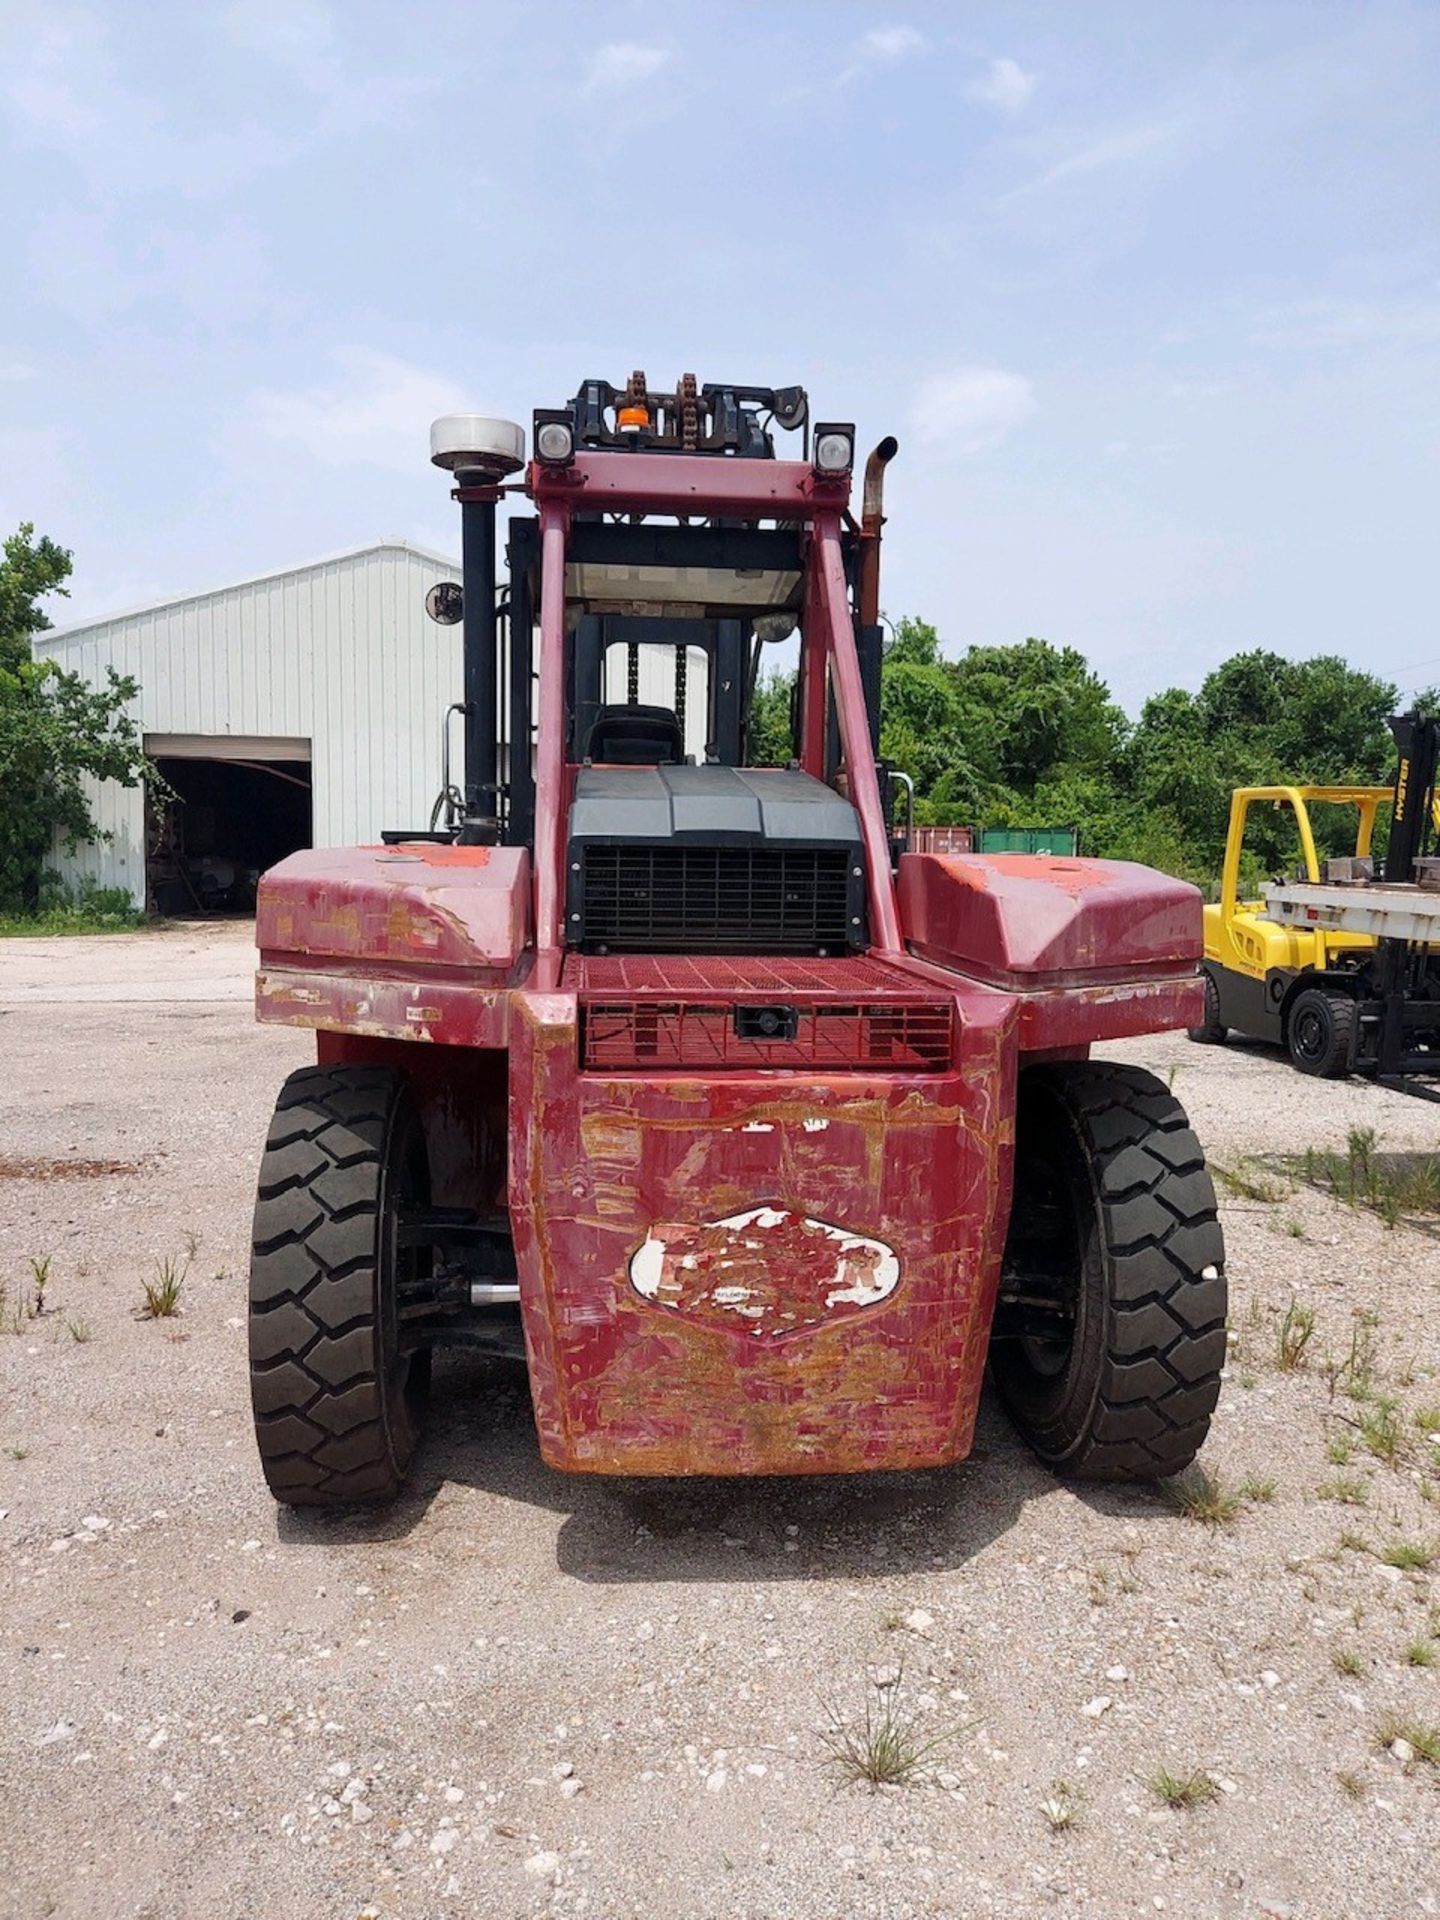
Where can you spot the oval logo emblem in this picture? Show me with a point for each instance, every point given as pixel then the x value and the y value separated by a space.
pixel 766 1272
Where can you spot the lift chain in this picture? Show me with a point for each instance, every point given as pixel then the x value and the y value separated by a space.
pixel 689 413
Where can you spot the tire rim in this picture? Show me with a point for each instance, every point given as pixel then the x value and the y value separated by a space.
pixel 1045 1273
pixel 1311 1034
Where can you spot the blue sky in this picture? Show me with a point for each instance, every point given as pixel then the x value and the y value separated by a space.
pixel 1150 293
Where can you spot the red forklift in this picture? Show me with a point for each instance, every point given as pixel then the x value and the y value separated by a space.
pixel 755 1136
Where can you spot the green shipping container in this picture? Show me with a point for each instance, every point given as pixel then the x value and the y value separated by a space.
pixel 1061 840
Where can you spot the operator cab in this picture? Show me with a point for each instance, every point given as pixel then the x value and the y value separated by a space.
pixel 673 839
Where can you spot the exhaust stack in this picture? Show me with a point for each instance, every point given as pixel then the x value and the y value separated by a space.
pixel 481 453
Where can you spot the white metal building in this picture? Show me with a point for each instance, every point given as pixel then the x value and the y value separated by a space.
pixel 299 708
pixel 302 707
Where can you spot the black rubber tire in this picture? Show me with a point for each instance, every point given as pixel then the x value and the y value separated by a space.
pixel 1105 1156
pixel 1319 1033
pixel 1212 1031
pixel 338 1408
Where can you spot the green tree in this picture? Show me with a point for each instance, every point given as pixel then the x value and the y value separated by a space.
pixel 1031 709
pixel 30 569
pixel 55 729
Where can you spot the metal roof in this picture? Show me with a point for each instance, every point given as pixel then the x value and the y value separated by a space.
pixel 50 635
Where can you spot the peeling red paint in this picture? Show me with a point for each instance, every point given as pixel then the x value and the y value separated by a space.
pixel 919 1164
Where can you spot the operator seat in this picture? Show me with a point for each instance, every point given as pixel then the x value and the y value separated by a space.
pixel 637 736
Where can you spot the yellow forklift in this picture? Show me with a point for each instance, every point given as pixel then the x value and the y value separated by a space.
pixel 1340 966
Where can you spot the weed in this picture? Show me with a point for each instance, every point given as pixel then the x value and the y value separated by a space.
pixel 1339 1450
pixel 1060 1806
pixel 1348 1488
pixel 1427 1419
pixel 1201 1497
pixel 40 1272
pixel 1354 1784
pixel 1346 1660
pixel 1249 1382
pixel 1415 1733
pixel 1382 1432
pixel 1420 1653
pixel 1182 1791
pixel 1397 1186
pixel 885 1747
pixel 1257 1488
pixel 1354 1542
pixel 1355 1374
pixel 80 1331
pixel 18 1453
pixel 1413 1556
pixel 162 1294
pixel 1297 1330
pixel 1295 1230
pixel 1250 1181
pixel 1097 1580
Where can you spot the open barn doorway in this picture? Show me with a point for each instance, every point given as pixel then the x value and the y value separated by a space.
pixel 234 806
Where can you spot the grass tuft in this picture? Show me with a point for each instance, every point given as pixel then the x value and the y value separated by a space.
pixel 1397 1186
pixel 1420 1653
pixel 1203 1498
pixel 1258 1489
pixel 80 1331
pixel 1346 1488
pixel 1425 1739
pixel 40 1276
pixel 886 1746
pixel 162 1294
pixel 1382 1431
pixel 1345 1660
pixel 1060 1806
pixel 1414 1556
pixel 1248 1180
pixel 1183 1791
pixel 1297 1330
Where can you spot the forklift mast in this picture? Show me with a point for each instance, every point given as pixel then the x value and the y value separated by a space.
pixel 1417 741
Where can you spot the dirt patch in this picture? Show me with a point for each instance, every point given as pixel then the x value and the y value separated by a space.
pixel 16 1168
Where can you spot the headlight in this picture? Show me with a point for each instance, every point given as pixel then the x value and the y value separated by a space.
pixel 555 442
pixel 834 449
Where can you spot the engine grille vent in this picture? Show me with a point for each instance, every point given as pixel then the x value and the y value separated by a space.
pixel 891 1036
pixel 765 899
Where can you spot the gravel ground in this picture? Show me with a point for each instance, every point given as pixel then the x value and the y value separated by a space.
pixel 522 1695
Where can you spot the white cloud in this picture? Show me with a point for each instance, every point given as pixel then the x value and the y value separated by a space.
pixel 970 409
pixel 622 64
pixel 378 412
pixel 1005 85
pixel 890 43
pixel 1121 148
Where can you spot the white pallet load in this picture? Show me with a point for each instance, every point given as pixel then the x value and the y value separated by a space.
pixel 1390 911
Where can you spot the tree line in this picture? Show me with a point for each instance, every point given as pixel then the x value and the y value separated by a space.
pixel 1029 736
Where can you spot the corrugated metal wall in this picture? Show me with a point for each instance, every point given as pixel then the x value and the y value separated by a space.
pixel 340 653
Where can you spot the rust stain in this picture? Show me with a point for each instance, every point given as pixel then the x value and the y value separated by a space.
pixel 36 1168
